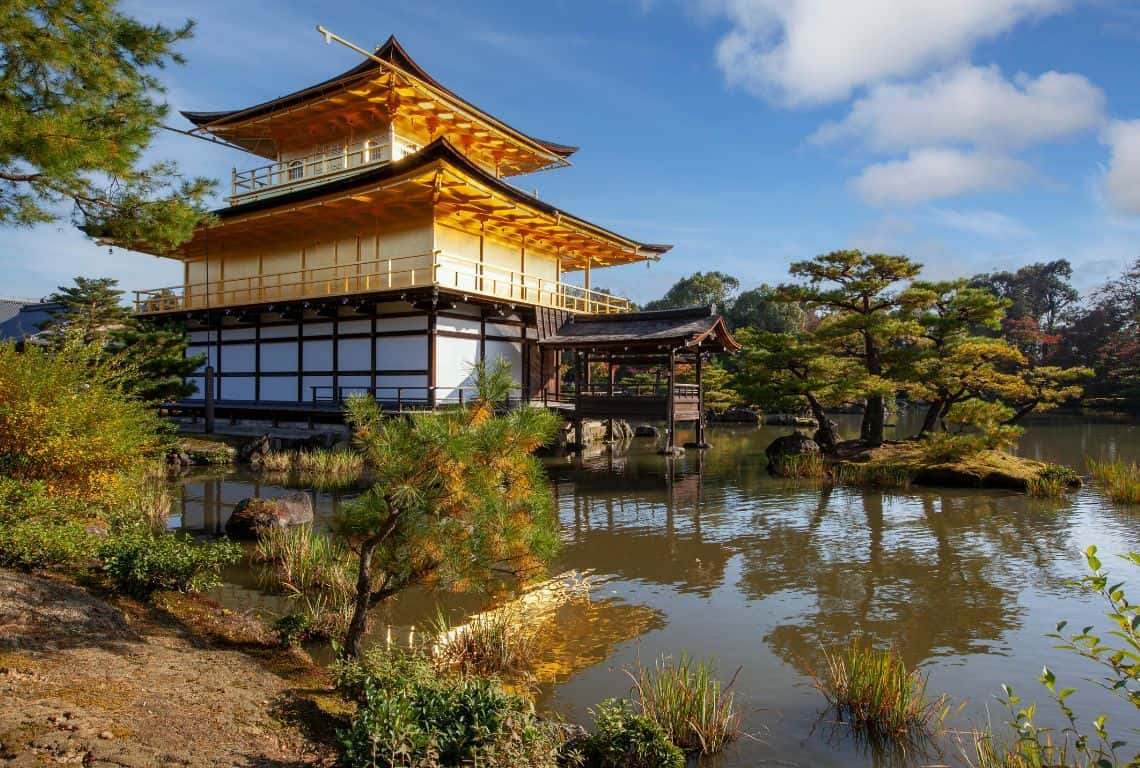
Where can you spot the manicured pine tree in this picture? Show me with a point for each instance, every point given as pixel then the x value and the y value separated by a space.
pixel 78 108
pixel 458 496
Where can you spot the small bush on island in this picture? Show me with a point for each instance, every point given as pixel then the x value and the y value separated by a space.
pixel 694 709
pixel 140 562
pixel 877 694
pixel 1053 480
pixel 624 739
pixel 1120 479
pixel 410 716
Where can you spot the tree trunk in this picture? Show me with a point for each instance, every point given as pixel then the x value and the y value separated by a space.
pixel 931 420
pixel 871 430
pixel 359 622
pixel 1021 413
pixel 825 435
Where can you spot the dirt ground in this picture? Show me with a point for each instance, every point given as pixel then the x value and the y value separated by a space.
pixel 112 682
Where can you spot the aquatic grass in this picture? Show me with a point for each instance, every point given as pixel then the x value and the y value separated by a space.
pixel 276 461
pixel 684 697
pixel 881 474
pixel 987 751
pixel 810 465
pixel 305 560
pixel 1052 480
pixel 494 642
pixel 1120 480
pixel 150 499
pixel 877 694
pixel 335 462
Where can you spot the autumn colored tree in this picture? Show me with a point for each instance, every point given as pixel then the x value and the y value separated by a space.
pixel 457 496
pixel 78 108
pixel 858 296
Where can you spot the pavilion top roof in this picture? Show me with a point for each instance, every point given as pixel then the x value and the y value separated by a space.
pixel 388 87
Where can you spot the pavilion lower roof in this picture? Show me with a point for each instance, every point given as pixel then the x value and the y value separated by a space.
pixel 688 327
pixel 439 179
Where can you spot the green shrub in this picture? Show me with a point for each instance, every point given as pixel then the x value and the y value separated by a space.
pixel 40 542
pixel 141 562
pixel 410 717
pixel 1052 480
pixel 625 739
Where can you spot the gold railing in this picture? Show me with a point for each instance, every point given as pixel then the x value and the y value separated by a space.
pixel 434 268
pixel 302 171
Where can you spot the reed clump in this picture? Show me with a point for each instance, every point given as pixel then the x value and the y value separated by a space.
pixel 321 468
pixel 1119 479
pixel 986 751
pixel 317 573
pixel 794 466
pixel 1052 480
pixel 277 461
pixel 692 706
pixel 882 474
pixel 877 694
pixel 491 643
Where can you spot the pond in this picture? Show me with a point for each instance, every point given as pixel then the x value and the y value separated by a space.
pixel 708 554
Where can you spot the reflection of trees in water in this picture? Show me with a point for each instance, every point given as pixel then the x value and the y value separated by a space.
pixel 933 575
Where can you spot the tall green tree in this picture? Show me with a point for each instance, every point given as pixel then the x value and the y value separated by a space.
pixel 457 496
pixel 152 360
pixel 92 307
pixel 1041 291
pixel 762 309
pixel 699 289
pixel 949 355
pixel 79 105
pixel 863 318
pixel 782 367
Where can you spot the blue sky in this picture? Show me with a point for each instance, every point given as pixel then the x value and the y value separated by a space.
pixel 971 135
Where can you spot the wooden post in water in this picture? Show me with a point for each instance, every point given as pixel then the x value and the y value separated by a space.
pixel 671 443
pixel 700 404
pixel 578 399
pixel 209 397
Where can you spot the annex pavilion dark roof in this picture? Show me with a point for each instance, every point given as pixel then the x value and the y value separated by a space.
pixel 390 51
pixel 686 327
pixel 440 149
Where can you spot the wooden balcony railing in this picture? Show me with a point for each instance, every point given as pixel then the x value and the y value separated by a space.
pixel 274 178
pixel 434 268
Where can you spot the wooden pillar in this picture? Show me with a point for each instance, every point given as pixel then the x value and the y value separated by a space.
pixel 700 403
pixel 578 398
pixel 587 379
pixel 543 381
pixel 587 284
pixel 671 443
pixel 610 391
pixel 432 338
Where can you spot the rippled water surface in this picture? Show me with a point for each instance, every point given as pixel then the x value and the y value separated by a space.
pixel 709 554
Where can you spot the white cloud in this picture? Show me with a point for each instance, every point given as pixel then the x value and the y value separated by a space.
pixel 990 224
pixel 803 52
pixel 1122 182
pixel 930 174
pixel 971 104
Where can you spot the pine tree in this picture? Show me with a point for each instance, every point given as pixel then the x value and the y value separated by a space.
pixel 457 495
pixel 78 108
pixel 152 358
pixel 92 307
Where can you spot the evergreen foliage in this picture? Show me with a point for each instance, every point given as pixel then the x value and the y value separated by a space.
pixel 153 358
pixel 457 493
pixel 78 108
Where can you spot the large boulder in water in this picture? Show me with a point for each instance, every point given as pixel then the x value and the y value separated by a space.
pixel 253 516
pixel 795 444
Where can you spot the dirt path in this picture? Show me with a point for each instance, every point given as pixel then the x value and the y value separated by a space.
pixel 84 681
